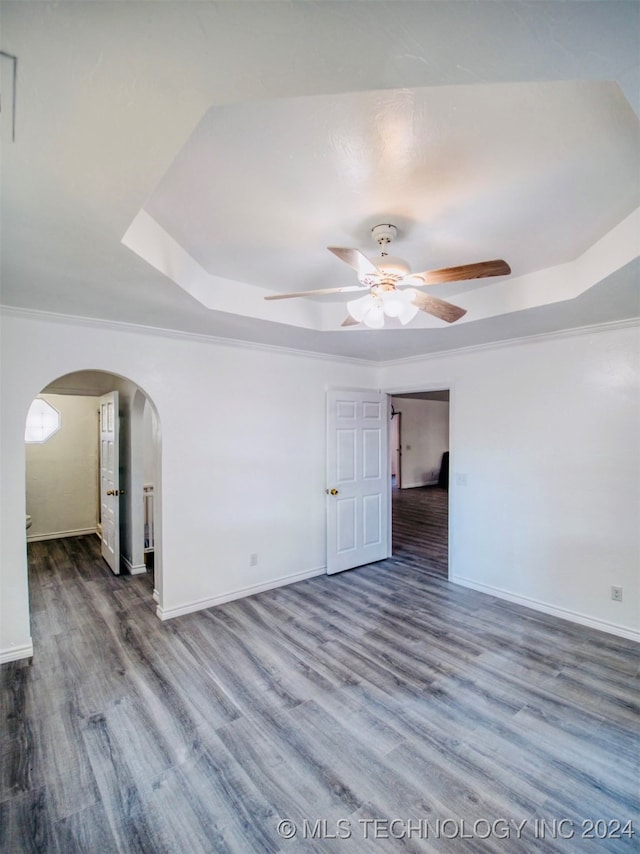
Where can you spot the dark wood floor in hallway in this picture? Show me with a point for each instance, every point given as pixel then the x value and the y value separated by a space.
pixel 420 534
pixel 384 693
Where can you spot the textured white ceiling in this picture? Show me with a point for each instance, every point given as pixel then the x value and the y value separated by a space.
pixel 255 134
pixel 533 172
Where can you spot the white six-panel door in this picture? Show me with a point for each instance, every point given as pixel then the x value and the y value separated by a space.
pixel 109 480
pixel 358 489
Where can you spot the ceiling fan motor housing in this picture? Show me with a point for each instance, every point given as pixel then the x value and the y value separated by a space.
pixel 384 233
pixel 391 269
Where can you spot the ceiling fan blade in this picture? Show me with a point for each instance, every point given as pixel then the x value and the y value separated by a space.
pixel 481 270
pixel 438 307
pixel 350 321
pixel 349 289
pixel 354 258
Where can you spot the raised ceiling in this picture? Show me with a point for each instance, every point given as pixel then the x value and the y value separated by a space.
pixel 227 144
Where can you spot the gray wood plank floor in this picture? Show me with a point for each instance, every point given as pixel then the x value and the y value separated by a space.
pixel 382 693
pixel 420 534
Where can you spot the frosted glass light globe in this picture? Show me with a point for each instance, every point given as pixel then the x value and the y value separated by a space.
pixel 368 310
pixel 374 318
pixel 393 303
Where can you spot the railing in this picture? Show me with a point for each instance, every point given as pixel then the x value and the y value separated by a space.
pixel 148 518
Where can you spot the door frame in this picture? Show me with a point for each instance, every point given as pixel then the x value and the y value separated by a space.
pixel 95 392
pixel 444 385
pixel 397 452
pixel 109 408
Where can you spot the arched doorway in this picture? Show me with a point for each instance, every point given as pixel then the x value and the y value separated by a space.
pixel 63 479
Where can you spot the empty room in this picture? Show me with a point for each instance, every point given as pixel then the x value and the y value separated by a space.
pixel 319 426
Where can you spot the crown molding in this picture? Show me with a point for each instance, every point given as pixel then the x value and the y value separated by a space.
pixel 181 335
pixel 176 334
pixel 571 332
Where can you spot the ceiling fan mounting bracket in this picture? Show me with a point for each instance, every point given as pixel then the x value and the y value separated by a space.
pixel 383 234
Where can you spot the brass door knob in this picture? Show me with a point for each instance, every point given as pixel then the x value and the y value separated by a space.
pixel 111 492
pixel 331 491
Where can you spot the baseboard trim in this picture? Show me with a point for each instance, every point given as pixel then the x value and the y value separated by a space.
pixel 60 535
pixel 16 653
pixel 138 569
pixel 156 595
pixel 417 485
pixel 241 593
pixel 546 608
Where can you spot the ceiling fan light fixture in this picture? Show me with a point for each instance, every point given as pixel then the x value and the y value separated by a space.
pixel 372 308
pixel 393 289
pixel 368 310
pixel 374 318
pixel 393 302
pixel 357 308
pixel 409 311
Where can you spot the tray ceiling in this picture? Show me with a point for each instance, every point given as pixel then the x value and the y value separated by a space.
pixel 229 144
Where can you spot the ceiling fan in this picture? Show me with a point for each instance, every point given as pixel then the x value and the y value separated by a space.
pixel 392 285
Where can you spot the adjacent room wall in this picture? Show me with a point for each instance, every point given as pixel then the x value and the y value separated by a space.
pixel 61 473
pixel 425 437
pixel 545 463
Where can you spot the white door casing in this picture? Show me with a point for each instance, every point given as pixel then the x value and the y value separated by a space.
pixel 395 446
pixel 109 480
pixel 358 483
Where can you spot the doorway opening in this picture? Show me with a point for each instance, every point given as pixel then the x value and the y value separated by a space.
pixel 65 474
pixel 419 465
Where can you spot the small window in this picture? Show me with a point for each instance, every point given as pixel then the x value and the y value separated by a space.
pixel 42 422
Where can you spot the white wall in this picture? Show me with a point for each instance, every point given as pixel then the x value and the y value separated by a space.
pixel 546 434
pixel 242 461
pixel 149 444
pixel 425 437
pixel 61 473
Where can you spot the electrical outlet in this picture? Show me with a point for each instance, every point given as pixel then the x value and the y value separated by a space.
pixel 253 559
pixel 616 594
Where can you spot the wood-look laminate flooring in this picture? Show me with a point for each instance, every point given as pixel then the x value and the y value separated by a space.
pixel 384 693
pixel 420 528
